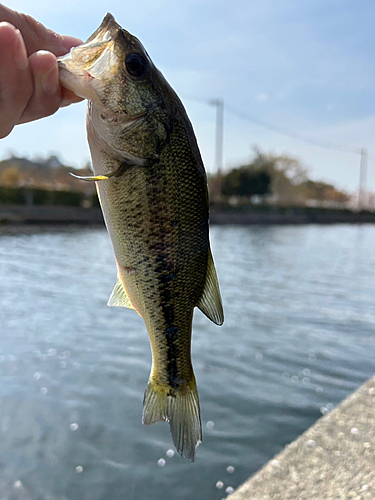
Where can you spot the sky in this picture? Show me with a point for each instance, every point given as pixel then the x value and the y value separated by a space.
pixel 292 75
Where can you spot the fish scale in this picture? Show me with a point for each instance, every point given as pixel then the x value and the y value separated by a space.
pixel 152 188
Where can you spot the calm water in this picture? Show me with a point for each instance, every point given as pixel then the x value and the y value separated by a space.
pixel 299 336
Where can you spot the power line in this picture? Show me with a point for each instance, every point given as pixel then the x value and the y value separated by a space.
pixel 293 135
pixel 219 103
pixel 280 130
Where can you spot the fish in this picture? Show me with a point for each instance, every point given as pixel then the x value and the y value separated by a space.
pixel 152 188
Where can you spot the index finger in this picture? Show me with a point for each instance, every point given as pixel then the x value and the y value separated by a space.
pixel 36 36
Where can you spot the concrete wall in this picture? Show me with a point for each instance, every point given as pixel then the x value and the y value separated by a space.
pixel 334 459
pixel 292 216
pixel 60 214
pixel 19 214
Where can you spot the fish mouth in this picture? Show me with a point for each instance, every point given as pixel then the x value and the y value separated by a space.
pixel 87 70
pixel 95 59
pixel 84 63
pixel 106 30
pixel 89 53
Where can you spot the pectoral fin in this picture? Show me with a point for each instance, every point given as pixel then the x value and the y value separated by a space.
pixel 90 177
pixel 210 303
pixel 119 297
pixel 116 173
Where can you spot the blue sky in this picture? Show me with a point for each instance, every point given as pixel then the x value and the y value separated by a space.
pixel 305 67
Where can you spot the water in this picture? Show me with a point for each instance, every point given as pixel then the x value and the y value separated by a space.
pixel 298 338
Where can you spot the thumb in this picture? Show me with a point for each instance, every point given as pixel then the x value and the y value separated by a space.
pixel 35 35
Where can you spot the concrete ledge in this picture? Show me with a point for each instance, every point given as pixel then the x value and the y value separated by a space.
pixel 292 216
pixel 44 214
pixel 19 214
pixel 334 459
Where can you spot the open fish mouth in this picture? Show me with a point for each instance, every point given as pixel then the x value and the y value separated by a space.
pixel 94 60
pixel 83 64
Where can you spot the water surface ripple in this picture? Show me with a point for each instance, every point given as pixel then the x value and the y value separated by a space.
pixel 298 338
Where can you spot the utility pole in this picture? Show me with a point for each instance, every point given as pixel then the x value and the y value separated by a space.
pixel 219 103
pixel 362 180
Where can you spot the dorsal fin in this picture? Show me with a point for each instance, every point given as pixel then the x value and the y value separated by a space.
pixel 210 303
pixel 119 297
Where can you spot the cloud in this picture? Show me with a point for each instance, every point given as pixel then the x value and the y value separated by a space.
pixel 262 96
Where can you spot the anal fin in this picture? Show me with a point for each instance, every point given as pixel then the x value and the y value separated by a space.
pixel 210 303
pixel 119 297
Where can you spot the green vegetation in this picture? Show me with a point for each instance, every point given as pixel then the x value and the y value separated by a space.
pixel 268 181
pixel 27 196
pixel 44 182
pixel 275 180
pixel 245 181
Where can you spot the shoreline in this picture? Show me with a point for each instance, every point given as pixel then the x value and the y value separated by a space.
pixel 334 459
pixel 45 214
pixel 49 215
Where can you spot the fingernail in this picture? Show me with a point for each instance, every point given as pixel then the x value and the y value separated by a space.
pixel 50 82
pixel 19 52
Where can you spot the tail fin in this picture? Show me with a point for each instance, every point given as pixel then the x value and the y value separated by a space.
pixel 181 409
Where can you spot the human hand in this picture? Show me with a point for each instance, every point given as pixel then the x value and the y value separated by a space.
pixel 29 77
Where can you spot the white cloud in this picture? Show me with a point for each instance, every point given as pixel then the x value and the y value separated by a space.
pixel 262 96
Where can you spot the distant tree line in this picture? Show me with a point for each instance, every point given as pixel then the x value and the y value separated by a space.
pixel 44 182
pixel 35 196
pixel 244 181
pixel 276 179
pixel 267 179
pixel 48 173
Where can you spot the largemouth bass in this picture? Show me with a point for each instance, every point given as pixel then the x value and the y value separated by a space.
pixel 152 188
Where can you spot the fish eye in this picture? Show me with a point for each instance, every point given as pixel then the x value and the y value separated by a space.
pixel 136 64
